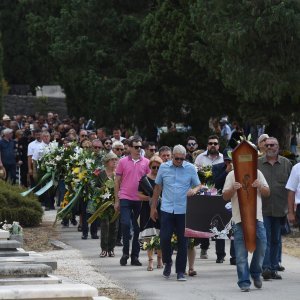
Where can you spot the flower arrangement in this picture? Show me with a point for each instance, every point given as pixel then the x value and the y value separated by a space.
pixel 102 200
pixel 13 229
pixel 153 243
pixel 205 175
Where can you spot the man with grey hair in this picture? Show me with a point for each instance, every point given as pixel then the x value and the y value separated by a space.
pixel 7 154
pixel 276 169
pixel 177 179
pixel 118 148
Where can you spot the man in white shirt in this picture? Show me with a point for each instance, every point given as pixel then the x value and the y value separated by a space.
pixel 211 156
pixel 208 158
pixel 117 135
pixel 243 270
pixel 293 186
pixel 31 148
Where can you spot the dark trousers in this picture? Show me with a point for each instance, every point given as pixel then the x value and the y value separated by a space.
pixel 11 170
pixel 85 217
pixel 108 234
pixel 130 212
pixel 220 248
pixel 169 224
pixel 204 243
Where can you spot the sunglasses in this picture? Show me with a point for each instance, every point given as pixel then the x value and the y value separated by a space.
pixel 107 143
pixel 179 158
pixel 137 147
pixel 119 149
pixel 155 167
pixel 84 135
pixel 97 147
pixel 152 150
pixel 191 144
pixel 211 143
pixel 270 145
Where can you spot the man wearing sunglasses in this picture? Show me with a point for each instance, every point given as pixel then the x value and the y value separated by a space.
pixel 150 149
pixel 107 144
pixel 118 148
pixel 191 146
pixel 211 156
pixel 129 171
pixel 175 179
pixel 276 170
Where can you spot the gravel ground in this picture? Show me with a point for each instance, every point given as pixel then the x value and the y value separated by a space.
pixel 72 265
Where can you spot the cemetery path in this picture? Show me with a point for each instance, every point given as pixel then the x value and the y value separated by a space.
pixel 213 281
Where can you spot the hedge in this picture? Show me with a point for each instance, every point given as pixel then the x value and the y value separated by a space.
pixel 14 207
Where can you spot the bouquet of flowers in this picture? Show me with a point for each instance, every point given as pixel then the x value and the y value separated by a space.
pixel 14 228
pixel 205 175
pixel 153 243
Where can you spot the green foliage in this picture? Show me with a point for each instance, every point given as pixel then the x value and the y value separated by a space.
pixel 2 82
pixel 14 207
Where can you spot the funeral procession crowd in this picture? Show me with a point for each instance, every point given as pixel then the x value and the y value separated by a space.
pixel 144 189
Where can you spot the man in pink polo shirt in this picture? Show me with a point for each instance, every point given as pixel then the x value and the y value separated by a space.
pixel 129 171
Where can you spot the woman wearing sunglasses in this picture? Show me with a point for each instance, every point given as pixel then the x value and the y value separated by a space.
pixel 148 227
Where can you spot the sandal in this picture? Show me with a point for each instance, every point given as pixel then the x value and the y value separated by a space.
pixel 111 253
pixel 192 272
pixel 150 267
pixel 103 254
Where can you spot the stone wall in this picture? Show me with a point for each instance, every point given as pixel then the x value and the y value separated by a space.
pixel 29 105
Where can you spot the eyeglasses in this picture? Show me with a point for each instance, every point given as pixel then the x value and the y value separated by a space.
pixel 152 150
pixel 155 167
pixel 83 135
pixel 270 145
pixel 211 143
pixel 137 147
pixel 107 143
pixel 179 158
pixel 191 144
pixel 119 149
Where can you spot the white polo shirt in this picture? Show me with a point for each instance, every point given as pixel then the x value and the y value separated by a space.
pixel 32 146
pixel 38 151
pixel 293 183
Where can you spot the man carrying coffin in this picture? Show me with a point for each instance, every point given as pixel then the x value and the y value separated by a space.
pixel 230 193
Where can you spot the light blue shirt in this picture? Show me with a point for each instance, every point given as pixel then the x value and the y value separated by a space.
pixel 176 181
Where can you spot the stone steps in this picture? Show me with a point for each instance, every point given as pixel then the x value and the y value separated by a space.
pixel 49 292
pixel 17 270
pixel 50 279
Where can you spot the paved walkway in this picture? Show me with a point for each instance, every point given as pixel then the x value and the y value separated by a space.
pixel 214 281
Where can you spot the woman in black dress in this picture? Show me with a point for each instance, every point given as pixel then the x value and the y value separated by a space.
pixel 148 227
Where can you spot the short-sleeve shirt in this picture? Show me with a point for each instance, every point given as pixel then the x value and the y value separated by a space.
pixel 32 146
pixel 175 182
pixel 38 151
pixel 204 159
pixel 131 172
pixel 293 183
pixel 236 216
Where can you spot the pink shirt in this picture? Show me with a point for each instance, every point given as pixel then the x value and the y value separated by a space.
pixel 131 173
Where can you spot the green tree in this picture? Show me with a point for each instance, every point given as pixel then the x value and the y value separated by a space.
pixel 1 76
pixel 253 48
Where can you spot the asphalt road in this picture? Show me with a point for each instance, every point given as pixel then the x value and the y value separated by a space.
pixel 213 281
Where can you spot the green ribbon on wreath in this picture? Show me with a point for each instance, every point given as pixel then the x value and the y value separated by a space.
pixel 42 180
pixel 101 210
pixel 66 210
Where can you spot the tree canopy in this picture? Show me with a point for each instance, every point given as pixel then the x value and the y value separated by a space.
pixel 145 62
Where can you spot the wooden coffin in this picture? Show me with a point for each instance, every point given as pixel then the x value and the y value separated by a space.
pixel 244 158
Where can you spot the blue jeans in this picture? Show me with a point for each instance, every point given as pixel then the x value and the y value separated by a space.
pixel 241 252
pixel 169 224
pixel 130 212
pixel 273 231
